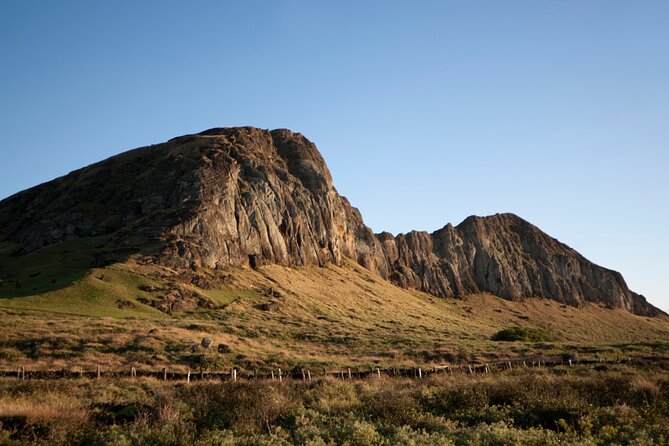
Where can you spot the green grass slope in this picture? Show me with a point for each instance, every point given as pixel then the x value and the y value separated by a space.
pixel 287 317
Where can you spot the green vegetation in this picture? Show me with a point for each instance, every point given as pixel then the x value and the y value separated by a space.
pixel 50 268
pixel 98 293
pixel 224 297
pixel 526 334
pixel 330 317
pixel 294 317
pixel 564 406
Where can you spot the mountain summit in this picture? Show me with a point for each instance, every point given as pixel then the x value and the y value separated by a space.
pixel 243 197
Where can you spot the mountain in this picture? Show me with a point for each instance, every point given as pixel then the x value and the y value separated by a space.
pixel 244 197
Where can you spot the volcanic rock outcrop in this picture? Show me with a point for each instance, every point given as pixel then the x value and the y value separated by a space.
pixel 244 197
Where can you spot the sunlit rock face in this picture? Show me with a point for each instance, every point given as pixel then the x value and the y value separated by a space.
pixel 244 197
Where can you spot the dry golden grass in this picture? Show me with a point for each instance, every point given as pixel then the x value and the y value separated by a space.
pixel 42 406
pixel 331 316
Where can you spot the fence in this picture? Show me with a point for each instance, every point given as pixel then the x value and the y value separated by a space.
pixel 306 374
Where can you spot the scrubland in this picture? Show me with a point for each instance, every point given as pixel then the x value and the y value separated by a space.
pixel 577 405
pixel 331 317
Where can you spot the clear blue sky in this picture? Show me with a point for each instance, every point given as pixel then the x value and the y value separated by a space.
pixel 426 112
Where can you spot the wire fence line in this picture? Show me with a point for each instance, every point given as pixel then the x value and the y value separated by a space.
pixel 309 374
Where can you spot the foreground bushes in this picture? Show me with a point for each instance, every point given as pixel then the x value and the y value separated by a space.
pixel 569 406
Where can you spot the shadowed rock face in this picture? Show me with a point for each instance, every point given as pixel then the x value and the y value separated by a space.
pixel 243 197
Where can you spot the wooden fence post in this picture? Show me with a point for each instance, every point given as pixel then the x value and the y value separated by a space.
pixel 81 372
pixel 304 376
pixel 164 373
pixel 133 372
pixel 309 375
pixel 420 373
pixel 188 377
pixel 234 375
pixel 98 372
pixel 510 365
pixel 280 376
pixel 272 373
pixel 378 372
pixel 349 373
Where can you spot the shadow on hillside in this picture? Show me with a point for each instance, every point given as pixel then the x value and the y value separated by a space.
pixel 57 266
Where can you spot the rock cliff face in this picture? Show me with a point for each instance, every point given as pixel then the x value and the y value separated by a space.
pixel 508 257
pixel 242 197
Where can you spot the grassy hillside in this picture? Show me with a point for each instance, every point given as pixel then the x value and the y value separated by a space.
pixel 285 317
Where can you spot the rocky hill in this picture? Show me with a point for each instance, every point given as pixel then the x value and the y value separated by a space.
pixel 245 197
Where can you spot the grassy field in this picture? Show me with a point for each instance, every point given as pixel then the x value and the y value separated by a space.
pixel 295 317
pixel 65 315
pixel 562 406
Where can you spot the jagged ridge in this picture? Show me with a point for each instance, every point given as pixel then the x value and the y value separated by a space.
pixel 241 197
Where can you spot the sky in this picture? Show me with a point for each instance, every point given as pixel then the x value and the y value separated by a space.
pixel 425 111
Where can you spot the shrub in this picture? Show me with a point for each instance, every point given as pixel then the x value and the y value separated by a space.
pixel 253 407
pixel 527 334
pixel 393 405
pixel 537 407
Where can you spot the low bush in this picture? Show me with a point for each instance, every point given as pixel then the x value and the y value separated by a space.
pixel 538 407
pixel 527 334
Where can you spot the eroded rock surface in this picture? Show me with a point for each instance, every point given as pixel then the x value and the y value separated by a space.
pixel 244 197
pixel 508 257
